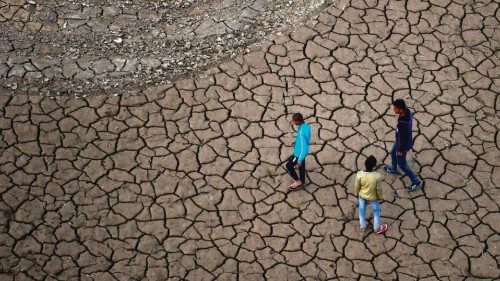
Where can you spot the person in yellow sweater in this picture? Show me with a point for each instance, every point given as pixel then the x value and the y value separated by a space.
pixel 368 189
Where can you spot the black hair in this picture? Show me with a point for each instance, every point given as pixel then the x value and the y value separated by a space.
pixel 298 117
pixel 399 103
pixel 370 163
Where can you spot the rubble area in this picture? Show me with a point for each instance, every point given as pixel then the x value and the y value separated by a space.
pixel 99 47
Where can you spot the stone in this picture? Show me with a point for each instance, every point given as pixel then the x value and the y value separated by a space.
pixel 344 55
pixel 83 75
pixel 364 268
pixel 384 263
pixel 42 63
pixel 240 143
pixel 430 252
pixel 314 50
pixel 357 251
pixel 17 71
pixel 188 161
pixel 54 265
pixel 128 210
pixel 27 246
pixel 85 116
pixel 303 34
pixel 249 110
pixel 256 60
pixel 25 131
pixel 346 117
pixel 296 258
pixel 484 267
pixel 4 69
pixel 473 37
pixel 492 221
pixel 149 245
pixel 459 155
pixel 102 66
pixel 308 86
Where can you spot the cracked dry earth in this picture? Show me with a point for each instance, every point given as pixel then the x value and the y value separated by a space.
pixel 182 181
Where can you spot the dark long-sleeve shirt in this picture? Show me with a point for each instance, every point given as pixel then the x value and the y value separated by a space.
pixel 404 137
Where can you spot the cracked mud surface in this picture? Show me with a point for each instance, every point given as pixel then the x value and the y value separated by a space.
pixel 106 47
pixel 183 181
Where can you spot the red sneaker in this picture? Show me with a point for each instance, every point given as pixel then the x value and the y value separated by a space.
pixel 383 228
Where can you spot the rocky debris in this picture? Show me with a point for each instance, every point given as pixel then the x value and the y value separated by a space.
pixel 185 37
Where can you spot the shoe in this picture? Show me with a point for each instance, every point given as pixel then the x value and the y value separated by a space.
pixel 381 229
pixel 291 188
pixel 414 186
pixel 296 185
pixel 361 229
pixel 389 170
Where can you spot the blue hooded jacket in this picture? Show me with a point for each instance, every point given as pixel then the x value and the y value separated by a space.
pixel 404 138
pixel 302 140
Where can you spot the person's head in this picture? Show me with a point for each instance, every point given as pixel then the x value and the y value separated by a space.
pixel 297 119
pixel 370 163
pixel 399 106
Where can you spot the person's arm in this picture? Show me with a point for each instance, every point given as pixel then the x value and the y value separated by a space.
pixel 379 189
pixel 404 134
pixel 357 185
pixel 305 137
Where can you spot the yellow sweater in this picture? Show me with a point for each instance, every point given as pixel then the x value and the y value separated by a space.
pixel 368 185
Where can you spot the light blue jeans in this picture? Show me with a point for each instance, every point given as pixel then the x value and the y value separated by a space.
pixel 376 212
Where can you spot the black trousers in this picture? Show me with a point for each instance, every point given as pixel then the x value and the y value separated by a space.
pixel 290 167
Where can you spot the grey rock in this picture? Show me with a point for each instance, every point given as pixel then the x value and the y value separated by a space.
pixel 3 69
pixel 17 70
pixel 83 75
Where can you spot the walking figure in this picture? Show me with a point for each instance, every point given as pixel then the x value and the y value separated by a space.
pixel 368 189
pixel 404 142
pixel 300 151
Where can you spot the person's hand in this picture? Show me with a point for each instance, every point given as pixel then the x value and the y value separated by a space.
pixel 299 165
pixel 400 153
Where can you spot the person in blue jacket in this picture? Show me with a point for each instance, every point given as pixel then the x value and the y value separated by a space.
pixel 404 142
pixel 300 151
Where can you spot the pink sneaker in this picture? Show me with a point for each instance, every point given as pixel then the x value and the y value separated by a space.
pixel 383 228
pixel 296 185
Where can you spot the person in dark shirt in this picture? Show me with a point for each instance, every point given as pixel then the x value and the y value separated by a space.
pixel 404 142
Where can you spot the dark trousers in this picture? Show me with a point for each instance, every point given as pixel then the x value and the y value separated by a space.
pixel 400 161
pixel 290 167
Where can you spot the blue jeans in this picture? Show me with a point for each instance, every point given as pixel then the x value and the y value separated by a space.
pixel 376 212
pixel 400 161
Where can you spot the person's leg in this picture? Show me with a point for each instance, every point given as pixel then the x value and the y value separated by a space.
pixel 290 167
pixel 376 214
pixel 393 168
pixel 302 172
pixel 394 157
pixel 406 169
pixel 361 212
